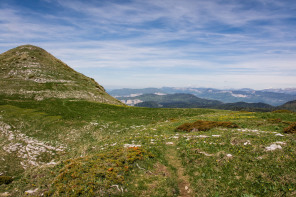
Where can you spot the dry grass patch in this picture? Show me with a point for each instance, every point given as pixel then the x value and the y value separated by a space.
pixel 202 125
pixel 291 128
pixel 282 111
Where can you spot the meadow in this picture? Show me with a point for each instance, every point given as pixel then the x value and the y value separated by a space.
pixel 68 147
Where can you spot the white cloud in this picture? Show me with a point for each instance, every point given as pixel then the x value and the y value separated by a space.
pixel 230 39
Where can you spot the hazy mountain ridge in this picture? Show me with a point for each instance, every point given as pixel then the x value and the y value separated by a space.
pixel 271 97
pixel 291 91
pixel 30 72
pixel 172 100
pixel 180 100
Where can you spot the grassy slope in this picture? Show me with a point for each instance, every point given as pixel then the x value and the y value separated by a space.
pixel 185 164
pixel 30 72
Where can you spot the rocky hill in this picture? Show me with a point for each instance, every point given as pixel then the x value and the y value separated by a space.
pixel 30 72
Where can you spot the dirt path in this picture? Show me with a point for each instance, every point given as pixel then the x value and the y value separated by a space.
pixel 183 181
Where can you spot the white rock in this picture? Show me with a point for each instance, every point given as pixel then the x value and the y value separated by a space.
pixel 229 155
pixel 202 136
pixel 169 143
pixel 131 145
pixel 278 134
pixel 273 147
pixel 31 191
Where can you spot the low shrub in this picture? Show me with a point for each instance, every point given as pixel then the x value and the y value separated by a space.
pixel 202 125
pixel 274 120
pixel 282 111
pixel 291 128
pixel 5 179
pixel 96 175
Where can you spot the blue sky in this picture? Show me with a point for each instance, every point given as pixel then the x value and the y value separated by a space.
pixel 153 43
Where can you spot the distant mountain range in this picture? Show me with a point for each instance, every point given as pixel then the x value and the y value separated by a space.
pixel 175 101
pixel 274 97
pixel 180 100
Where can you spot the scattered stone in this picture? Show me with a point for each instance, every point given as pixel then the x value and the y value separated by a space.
pixel 216 135
pixel 251 130
pixel 273 147
pixel 202 136
pixel 229 155
pixel 52 163
pixel 278 134
pixel 247 142
pixel 169 143
pixel 26 147
pixel 131 145
pixel 31 191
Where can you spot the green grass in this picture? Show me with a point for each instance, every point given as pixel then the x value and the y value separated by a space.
pixel 84 142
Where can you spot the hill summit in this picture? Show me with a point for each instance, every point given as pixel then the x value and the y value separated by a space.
pixel 28 71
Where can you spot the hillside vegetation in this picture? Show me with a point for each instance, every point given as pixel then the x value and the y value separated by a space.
pixel 291 105
pixel 62 147
pixel 30 72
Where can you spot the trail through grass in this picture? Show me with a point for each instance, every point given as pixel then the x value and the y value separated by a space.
pixel 181 178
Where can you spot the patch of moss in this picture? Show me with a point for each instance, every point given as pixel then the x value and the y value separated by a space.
pixel 5 179
pixel 97 174
pixel 202 125
pixel 291 128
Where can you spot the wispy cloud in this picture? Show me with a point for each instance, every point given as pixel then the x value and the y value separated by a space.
pixel 163 40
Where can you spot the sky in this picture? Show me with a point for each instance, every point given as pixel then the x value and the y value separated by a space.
pixel 155 43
